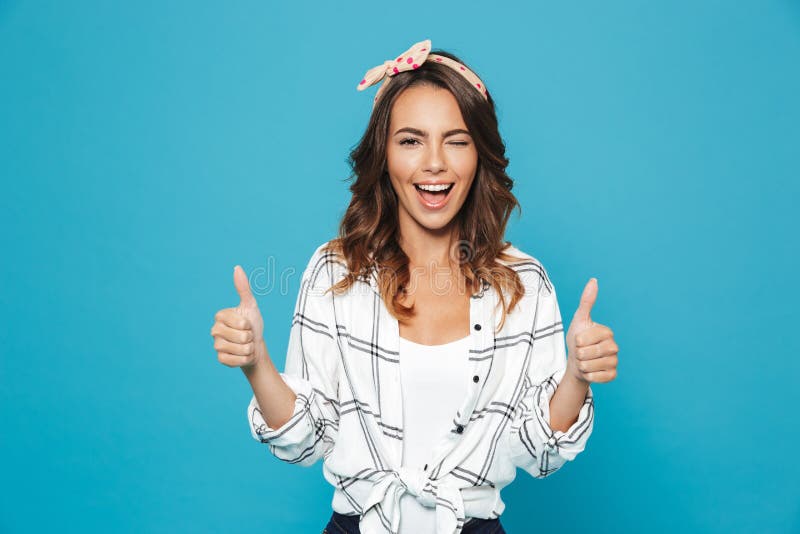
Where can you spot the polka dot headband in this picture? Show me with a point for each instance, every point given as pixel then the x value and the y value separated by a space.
pixel 410 60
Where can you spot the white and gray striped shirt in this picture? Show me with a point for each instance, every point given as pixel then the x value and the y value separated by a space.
pixel 343 364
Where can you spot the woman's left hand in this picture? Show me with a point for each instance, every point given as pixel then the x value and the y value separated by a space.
pixel 591 349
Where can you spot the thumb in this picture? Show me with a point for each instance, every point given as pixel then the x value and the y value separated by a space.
pixel 243 287
pixel 588 298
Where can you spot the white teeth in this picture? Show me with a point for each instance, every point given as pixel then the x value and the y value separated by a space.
pixel 437 187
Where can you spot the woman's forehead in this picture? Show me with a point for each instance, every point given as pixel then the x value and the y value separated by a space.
pixel 426 108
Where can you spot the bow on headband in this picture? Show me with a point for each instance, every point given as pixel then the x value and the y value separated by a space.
pixel 410 60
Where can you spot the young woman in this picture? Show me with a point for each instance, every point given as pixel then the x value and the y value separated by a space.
pixel 426 358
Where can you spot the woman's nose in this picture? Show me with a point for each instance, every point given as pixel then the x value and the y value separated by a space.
pixel 434 159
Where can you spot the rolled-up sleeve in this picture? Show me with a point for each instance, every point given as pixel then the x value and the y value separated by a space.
pixel 533 444
pixel 311 371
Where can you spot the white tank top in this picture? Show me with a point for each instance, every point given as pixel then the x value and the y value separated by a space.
pixel 434 380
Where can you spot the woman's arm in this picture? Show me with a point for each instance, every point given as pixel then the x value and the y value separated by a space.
pixel 304 430
pixel 541 442
pixel 592 358
pixel 239 341
pixel 567 402
pixel 273 395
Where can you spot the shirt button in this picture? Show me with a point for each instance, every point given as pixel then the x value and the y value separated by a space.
pixel 475 378
pixel 477 327
pixel 459 429
pixel 425 468
pixel 551 443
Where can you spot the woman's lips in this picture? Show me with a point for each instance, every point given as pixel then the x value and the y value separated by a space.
pixel 435 205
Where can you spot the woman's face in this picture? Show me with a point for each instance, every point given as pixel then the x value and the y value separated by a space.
pixel 428 143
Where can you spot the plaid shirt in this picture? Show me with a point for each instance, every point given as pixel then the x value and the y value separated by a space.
pixel 343 364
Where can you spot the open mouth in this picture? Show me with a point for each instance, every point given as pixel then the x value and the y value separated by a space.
pixel 434 199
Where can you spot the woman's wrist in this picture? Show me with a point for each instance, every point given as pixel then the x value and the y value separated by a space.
pixel 258 357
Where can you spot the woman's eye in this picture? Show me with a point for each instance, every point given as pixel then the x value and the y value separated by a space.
pixel 411 141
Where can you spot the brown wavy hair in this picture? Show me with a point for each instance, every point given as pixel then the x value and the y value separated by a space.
pixel 368 232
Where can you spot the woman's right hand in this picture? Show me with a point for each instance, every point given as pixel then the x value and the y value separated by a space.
pixel 239 332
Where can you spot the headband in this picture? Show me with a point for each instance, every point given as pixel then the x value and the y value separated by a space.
pixel 410 60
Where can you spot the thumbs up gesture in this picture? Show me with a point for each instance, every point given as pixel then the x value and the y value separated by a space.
pixel 239 332
pixel 592 351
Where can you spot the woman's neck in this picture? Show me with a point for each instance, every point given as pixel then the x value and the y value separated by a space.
pixel 428 250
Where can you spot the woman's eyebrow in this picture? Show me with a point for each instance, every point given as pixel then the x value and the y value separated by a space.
pixel 421 133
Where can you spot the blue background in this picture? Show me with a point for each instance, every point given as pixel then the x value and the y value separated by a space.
pixel 148 147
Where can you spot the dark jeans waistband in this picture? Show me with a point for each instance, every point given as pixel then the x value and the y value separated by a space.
pixel 348 524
